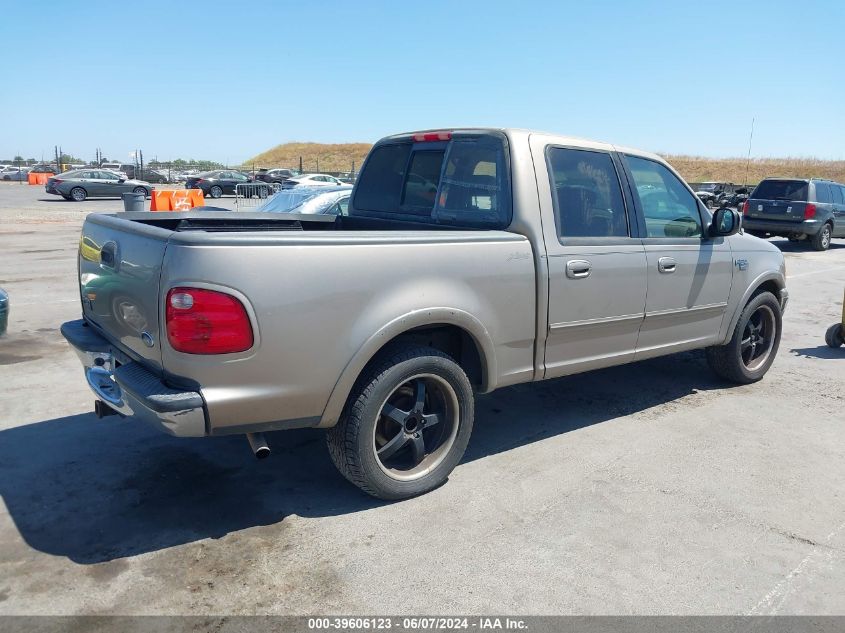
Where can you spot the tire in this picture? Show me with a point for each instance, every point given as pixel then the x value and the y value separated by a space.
pixel 710 204
pixel 835 336
pixel 216 191
pixel 78 194
pixel 821 240
pixel 385 443
pixel 728 361
pixel 262 193
pixel 142 190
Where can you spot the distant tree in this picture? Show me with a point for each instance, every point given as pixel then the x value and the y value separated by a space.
pixel 18 159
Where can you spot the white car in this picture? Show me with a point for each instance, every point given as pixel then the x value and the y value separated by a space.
pixel 10 172
pixel 312 180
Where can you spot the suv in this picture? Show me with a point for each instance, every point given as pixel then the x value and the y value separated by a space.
pixel 798 209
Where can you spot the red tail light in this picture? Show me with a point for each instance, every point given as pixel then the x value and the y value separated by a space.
pixel 432 136
pixel 809 211
pixel 745 208
pixel 206 322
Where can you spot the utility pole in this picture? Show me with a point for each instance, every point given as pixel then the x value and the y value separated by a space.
pixel 748 161
pixel 141 154
pixel 300 164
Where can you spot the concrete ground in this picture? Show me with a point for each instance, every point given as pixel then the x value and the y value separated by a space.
pixel 653 488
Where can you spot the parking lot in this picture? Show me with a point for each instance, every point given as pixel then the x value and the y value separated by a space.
pixel 653 488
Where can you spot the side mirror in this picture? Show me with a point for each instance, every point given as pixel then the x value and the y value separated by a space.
pixel 725 222
pixel 121 180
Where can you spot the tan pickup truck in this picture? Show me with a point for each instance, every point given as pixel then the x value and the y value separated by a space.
pixel 469 259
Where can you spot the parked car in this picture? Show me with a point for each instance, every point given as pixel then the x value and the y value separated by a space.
pixel 215 184
pixel 312 180
pixel 93 183
pixel 531 262
pixel 310 200
pixel 798 209
pixel 44 169
pixel 275 175
pixel 4 311
pixel 14 173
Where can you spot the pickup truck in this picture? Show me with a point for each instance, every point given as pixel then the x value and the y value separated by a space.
pixel 468 260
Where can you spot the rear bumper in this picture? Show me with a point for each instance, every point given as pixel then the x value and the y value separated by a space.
pixel 132 390
pixel 781 227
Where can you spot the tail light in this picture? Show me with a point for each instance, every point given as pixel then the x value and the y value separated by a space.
pixel 809 211
pixel 745 206
pixel 203 321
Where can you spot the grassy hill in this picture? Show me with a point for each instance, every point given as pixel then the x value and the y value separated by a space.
pixel 315 156
pixel 339 157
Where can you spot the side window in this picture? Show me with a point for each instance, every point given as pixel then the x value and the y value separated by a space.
pixel 837 192
pixel 670 210
pixel 823 192
pixel 343 205
pixel 586 194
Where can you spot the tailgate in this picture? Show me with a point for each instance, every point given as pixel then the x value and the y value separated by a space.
pixel 119 270
pixel 788 210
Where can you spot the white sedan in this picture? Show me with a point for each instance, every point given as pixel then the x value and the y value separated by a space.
pixel 312 180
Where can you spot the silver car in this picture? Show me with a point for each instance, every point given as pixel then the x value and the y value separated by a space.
pixel 311 200
pixel 94 183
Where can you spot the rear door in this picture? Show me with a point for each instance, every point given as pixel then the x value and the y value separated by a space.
pixel 689 275
pixel 119 270
pixel 597 264
pixel 779 199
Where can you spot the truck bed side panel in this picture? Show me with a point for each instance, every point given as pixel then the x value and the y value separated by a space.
pixel 318 298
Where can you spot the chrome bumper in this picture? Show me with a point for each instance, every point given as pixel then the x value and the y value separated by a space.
pixel 131 389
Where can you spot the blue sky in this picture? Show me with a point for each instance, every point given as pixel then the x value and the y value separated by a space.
pixel 226 80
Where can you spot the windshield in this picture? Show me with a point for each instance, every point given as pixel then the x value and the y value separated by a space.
pixel 794 190
pixel 707 186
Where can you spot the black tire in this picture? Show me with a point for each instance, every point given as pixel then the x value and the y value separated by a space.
pixel 353 442
pixel 262 193
pixel 728 361
pixel 821 240
pixel 835 336
pixel 142 190
pixel 78 194
pixel 216 191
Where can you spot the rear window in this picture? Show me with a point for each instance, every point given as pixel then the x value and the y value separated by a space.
pixel 795 190
pixel 463 182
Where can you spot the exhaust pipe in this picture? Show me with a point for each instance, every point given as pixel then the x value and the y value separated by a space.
pixel 101 409
pixel 258 445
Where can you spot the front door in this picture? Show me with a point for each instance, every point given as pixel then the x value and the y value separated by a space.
pixel 597 267
pixel 689 274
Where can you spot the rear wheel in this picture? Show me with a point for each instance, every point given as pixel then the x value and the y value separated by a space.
pixel 821 240
pixel 406 424
pixel 751 351
pixel 216 192
pixel 78 194
pixel 835 335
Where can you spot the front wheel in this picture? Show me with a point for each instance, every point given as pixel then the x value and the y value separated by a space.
pixel 835 335
pixel 141 190
pixel 821 240
pixel 751 351
pixel 406 424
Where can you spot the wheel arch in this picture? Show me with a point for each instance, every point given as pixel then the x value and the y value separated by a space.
pixel 767 282
pixel 453 331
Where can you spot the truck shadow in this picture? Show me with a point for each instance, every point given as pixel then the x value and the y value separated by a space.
pixel 97 490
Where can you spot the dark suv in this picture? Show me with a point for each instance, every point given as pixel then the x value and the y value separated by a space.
pixel 811 209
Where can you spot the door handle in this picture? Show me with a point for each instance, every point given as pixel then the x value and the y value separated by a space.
pixel 578 268
pixel 666 265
